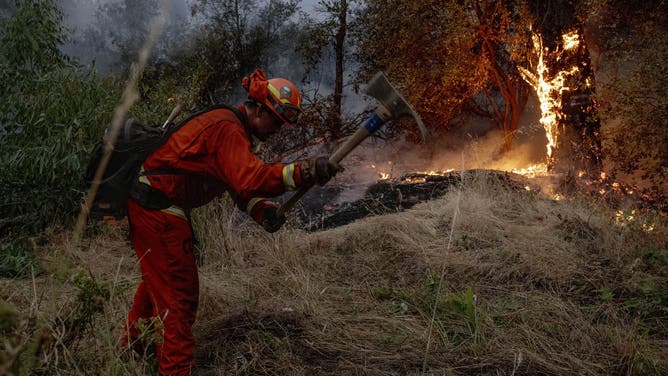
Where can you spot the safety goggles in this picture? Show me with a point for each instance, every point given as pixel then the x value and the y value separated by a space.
pixel 288 112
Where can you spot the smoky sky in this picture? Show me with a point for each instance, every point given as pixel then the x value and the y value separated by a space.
pixel 79 14
pixel 91 38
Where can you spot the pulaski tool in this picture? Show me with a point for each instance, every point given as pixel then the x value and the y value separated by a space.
pixel 392 106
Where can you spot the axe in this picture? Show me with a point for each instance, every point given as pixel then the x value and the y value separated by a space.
pixel 393 105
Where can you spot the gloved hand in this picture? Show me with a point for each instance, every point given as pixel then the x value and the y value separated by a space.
pixel 271 222
pixel 319 170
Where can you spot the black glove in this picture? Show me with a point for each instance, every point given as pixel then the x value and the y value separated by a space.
pixel 271 222
pixel 319 170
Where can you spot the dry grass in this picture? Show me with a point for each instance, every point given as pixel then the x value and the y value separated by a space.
pixel 516 284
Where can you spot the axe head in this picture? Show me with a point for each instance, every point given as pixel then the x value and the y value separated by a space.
pixel 380 88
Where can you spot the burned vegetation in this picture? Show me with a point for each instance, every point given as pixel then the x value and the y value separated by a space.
pixel 321 208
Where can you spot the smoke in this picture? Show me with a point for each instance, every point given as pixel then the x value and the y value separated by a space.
pixel 97 26
pixel 473 143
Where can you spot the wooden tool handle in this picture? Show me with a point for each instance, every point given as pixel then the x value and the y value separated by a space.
pixel 175 111
pixel 292 200
pixel 360 135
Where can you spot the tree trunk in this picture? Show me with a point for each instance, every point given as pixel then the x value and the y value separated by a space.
pixel 513 92
pixel 339 45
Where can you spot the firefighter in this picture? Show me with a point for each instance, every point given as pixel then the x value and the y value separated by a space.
pixel 209 155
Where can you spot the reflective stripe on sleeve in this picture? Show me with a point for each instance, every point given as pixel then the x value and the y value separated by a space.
pixel 288 176
pixel 251 203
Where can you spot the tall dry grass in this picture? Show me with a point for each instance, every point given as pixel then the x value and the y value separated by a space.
pixel 550 282
pixel 485 280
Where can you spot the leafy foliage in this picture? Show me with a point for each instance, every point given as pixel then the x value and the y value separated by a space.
pixel 90 300
pixel 49 116
pixel 235 38
pixel 49 125
pixel 454 316
pixel 27 338
pixel 15 261
pixel 432 54
pixel 640 108
pixel 633 91
pixel 32 36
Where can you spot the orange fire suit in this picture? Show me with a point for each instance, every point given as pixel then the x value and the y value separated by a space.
pixel 212 153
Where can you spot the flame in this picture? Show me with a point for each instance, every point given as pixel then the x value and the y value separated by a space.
pixel 549 90
pixel 414 180
pixel 625 218
pixel 622 217
pixel 383 175
pixel 435 173
pixel 647 227
pixel 571 40
pixel 532 171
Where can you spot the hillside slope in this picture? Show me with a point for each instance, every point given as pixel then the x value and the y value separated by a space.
pixel 485 280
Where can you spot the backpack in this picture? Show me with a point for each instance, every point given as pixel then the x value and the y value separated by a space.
pixel 120 180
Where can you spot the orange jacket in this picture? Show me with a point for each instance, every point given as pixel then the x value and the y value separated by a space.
pixel 213 153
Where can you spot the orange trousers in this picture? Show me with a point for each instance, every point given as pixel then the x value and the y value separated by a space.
pixel 169 289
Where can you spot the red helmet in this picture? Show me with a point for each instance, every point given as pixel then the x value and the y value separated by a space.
pixel 278 94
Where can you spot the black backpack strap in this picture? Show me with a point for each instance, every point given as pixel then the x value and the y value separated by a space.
pixel 149 197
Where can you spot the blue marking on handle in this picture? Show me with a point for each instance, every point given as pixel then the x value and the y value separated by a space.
pixel 374 123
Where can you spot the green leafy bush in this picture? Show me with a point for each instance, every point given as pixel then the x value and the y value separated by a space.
pixel 15 261
pixel 52 113
pixel 50 125
pixel 454 315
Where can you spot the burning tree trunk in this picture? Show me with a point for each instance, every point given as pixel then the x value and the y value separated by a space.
pixel 563 82
pixel 581 121
pixel 562 77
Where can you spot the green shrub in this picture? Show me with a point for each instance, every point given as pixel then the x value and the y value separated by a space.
pixel 16 261
pixel 52 113
pixel 454 315
pixel 50 125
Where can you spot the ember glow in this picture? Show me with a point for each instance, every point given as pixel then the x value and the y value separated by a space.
pixel 436 173
pixel 549 91
pixel 532 171
pixel 422 176
pixel 571 40
pixel 382 175
pixel 630 217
